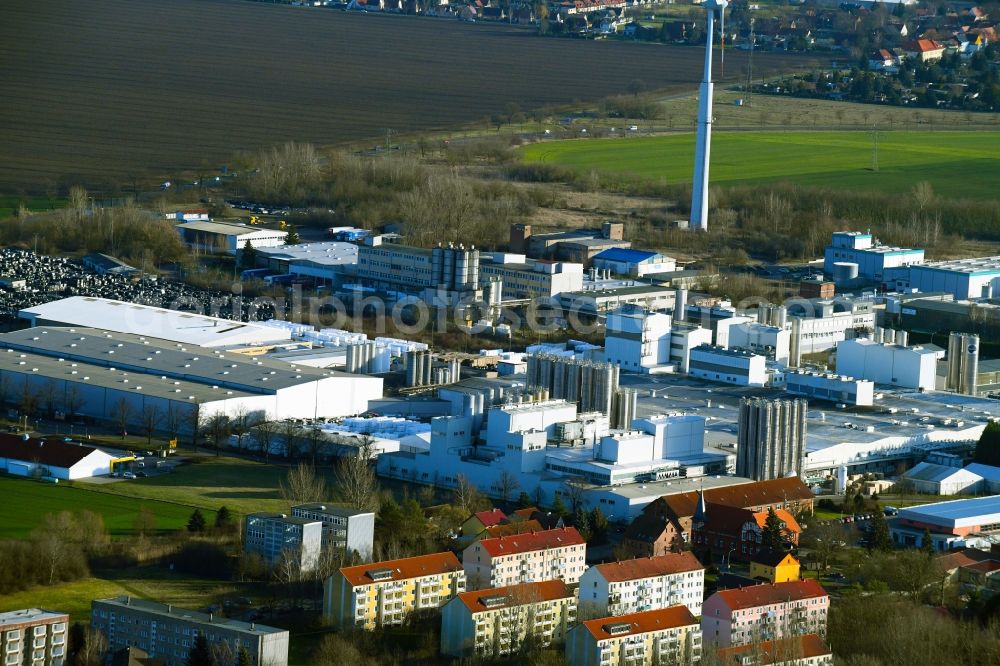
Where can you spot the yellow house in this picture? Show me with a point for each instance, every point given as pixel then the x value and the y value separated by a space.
pixel 774 567
pixel 384 593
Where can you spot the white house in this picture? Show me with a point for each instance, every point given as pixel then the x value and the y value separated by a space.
pixel 24 456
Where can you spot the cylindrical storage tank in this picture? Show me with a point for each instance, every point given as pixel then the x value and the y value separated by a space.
pixel 844 271
pixel 971 368
pixel 780 316
pixel 473 268
pixel 349 363
pixel 461 269
pixel 900 338
pixel 428 366
pixel 411 368
pixel 680 304
pixel 437 265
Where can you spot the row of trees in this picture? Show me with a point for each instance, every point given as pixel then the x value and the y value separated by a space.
pixel 58 550
pixel 124 231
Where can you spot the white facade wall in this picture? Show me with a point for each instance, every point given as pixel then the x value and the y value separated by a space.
pixel 567 563
pixel 760 339
pixel 637 340
pixel 728 368
pixel 906 367
pixel 683 340
pixel 835 388
pixel 604 598
pixel 820 334
pixel 961 284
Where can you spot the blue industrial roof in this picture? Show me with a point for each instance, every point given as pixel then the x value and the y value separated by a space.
pixel 956 512
pixel 622 254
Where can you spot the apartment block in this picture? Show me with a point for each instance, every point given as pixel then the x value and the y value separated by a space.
pixel 765 613
pixel 274 536
pixel 33 637
pixel 521 558
pixel 384 593
pixel 167 633
pixel 664 636
pixel 497 621
pixel 805 650
pixel 345 530
pixel 642 584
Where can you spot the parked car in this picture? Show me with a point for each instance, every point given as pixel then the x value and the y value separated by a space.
pixel 128 475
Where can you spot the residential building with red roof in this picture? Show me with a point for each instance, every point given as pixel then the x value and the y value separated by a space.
pixel 479 521
pixel 384 593
pixel 646 583
pixel 520 558
pixel 924 50
pixel 497 621
pixel 668 520
pixel 764 612
pixel 805 650
pixel 730 532
pixel 665 636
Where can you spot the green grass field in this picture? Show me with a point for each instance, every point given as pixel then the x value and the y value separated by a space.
pixel 146 583
pixel 956 164
pixel 26 501
pixel 9 204
pixel 241 485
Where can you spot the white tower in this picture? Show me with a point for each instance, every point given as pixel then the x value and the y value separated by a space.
pixel 703 139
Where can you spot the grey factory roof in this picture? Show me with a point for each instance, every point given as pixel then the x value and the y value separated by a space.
pixel 95 375
pixel 17 617
pixel 174 325
pixel 150 356
pixel 192 616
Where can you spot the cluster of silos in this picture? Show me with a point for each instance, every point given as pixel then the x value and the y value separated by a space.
pixel 772 315
pixel 422 370
pixel 623 408
pixel 963 363
pixel 890 336
pixel 589 384
pixel 455 267
pixel 771 438
pixel 362 358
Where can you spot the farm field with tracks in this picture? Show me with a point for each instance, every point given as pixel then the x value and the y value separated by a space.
pixel 107 91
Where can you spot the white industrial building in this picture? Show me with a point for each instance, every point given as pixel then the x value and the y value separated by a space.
pixel 935 479
pixel 21 455
pixel 989 474
pixel 636 339
pixel 95 373
pixel 744 333
pixel 328 262
pixel 964 278
pixel 634 263
pixel 870 259
pixel 530 278
pixel 603 296
pixel 227 237
pixel 885 363
pixel 828 386
pixel 728 366
pixel 155 322
pixel 542 444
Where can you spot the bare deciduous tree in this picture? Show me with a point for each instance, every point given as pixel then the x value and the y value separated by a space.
pixel 264 432
pixel 93 650
pixel 507 485
pixel 303 485
pixel 355 477
pixel 467 496
pixel 150 418
pixel 122 414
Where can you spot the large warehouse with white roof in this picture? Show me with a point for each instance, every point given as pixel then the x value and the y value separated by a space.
pixel 174 325
pixel 93 372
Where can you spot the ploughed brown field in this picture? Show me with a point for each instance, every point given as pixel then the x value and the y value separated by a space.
pixel 98 90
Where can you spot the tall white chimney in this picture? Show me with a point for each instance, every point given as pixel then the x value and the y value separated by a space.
pixel 703 139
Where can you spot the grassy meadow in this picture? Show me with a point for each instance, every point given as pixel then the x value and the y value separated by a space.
pixel 959 164
pixel 26 501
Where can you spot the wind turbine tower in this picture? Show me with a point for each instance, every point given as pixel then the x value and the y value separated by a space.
pixel 703 138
